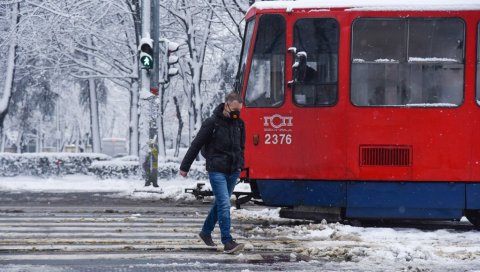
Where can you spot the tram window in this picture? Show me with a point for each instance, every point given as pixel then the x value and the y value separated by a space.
pixel 318 37
pixel 378 40
pixel 428 71
pixel 245 50
pixel 435 39
pixel 265 87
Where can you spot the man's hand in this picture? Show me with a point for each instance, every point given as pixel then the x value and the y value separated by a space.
pixel 183 173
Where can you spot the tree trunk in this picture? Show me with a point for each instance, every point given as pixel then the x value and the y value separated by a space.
pixel 134 119
pixel 38 137
pixel 197 56
pixel 178 140
pixel 160 124
pixel 134 125
pixel 7 90
pixel 197 103
pixel 94 124
pixel 2 136
pixel 143 25
pixel 191 115
pixel 19 141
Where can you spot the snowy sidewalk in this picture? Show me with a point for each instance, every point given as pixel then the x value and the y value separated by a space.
pixel 130 188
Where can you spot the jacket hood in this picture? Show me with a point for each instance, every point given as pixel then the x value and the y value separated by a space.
pixel 218 111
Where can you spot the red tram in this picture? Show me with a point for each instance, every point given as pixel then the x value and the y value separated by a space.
pixel 360 110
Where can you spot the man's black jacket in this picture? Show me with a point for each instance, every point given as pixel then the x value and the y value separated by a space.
pixel 224 141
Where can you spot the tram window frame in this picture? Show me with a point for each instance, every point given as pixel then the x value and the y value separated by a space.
pixel 478 66
pixel 404 71
pixel 280 60
pixel 247 42
pixel 320 85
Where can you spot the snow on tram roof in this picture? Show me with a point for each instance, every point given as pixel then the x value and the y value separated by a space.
pixel 371 4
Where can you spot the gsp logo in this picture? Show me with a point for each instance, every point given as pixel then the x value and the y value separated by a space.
pixel 277 121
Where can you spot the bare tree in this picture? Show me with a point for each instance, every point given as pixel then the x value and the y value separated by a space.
pixel 195 21
pixel 95 39
pixel 8 85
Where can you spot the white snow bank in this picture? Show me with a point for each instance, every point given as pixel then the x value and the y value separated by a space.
pixel 373 248
pixel 131 188
pixel 127 158
pixel 171 189
pixel 115 163
pixel 271 215
pixel 60 155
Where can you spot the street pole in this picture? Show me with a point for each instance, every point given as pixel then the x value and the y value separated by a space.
pixel 154 84
pixel 147 82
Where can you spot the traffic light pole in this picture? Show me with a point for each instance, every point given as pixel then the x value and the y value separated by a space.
pixel 150 62
pixel 147 53
pixel 155 28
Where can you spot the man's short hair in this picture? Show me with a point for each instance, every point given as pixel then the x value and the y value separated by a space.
pixel 233 96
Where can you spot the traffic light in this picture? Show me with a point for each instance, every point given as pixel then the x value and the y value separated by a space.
pixel 146 53
pixel 170 60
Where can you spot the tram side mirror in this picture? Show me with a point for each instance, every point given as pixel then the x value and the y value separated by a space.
pixel 236 85
pixel 300 66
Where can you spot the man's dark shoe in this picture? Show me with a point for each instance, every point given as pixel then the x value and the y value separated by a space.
pixel 232 247
pixel 147 184
pixel 155 184
pixel 207 239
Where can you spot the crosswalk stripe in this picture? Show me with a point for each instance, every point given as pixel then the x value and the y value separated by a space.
pixel 205 255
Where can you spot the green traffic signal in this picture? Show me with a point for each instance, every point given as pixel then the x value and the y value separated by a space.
pixel 147 61
pixel 146 53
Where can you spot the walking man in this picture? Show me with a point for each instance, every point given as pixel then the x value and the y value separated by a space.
pixel 222 141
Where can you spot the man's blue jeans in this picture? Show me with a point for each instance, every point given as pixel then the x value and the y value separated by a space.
pixel 222 187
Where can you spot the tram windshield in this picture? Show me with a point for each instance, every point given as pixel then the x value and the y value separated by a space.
pixel 245 50
pixel 265 87
pixel 318 37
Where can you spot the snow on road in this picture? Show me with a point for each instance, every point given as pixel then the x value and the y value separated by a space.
pixel 131 188
pixel 339 246
pixel 173 189
pixel 374 248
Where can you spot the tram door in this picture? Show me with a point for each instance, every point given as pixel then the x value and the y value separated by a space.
pixel 289 126
pixel 267 122
pixel 315 94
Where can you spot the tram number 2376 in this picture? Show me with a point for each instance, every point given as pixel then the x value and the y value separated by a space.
pixel 278 138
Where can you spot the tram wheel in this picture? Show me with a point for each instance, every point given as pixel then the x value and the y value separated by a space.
pixel 473 216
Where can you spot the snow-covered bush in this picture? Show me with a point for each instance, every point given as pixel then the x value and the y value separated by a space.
pixel 47 164
pixel 131 169
pixel 116 169
pixel 57 164
pixel 170 170
pixel 127 158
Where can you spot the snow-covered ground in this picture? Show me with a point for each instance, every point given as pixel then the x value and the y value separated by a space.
pixel 173 189
pixel 335 245
pixel 131 188
pixel 374 249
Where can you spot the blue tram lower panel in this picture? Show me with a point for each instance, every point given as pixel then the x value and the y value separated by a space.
pixel 302 192
pixel 405 200
pixel 473 196
pixel 402 200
